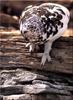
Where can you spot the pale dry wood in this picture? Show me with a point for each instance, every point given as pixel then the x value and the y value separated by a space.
pixel 13 54
pixel 31 89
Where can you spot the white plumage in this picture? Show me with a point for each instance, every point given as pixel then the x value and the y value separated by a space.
pixel 44 23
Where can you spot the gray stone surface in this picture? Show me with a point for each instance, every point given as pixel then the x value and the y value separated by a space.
pixel 13 77
pixel 18 97
pixel 36 97
pixel 31 89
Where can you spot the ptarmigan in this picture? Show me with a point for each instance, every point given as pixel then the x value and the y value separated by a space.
pixel 44 23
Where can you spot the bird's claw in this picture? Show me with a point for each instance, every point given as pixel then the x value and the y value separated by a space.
pixel 44 58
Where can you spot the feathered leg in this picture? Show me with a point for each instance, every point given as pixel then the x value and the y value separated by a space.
pixel 47 50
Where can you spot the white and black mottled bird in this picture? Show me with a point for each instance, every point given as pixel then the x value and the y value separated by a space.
pixel 44 24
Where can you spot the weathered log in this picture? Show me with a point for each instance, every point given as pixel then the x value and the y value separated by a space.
pixel 22 82
pixel 18 97
pixel 36 97
pixel 13 54
pixel 60 87
pixel 21 76
pixel 31 89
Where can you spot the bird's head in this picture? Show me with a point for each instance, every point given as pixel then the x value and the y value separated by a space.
pixel 31 28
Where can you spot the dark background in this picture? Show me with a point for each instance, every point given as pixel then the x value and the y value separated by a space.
pixel 15 7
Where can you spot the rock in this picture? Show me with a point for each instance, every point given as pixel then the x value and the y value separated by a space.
pixel 7 21
pixel 26 76
pixel 31 89
pixel 19 76
pixel 51 97
pixel 36 88
pixel 18 97
pixel 36 97
pixel 9 82
pixel 11 89
pixel 52 85
pixel 43 88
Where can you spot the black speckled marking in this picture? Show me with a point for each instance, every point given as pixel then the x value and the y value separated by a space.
pixel 49 19
pixel 61 11
pixel 51 23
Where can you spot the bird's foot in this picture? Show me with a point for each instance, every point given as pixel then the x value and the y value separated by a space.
pixel 44 58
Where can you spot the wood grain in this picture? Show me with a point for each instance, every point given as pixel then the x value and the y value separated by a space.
pixel 13 54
